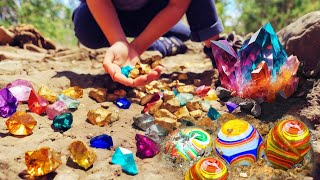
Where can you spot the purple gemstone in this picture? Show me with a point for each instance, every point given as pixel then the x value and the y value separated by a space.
pixel 8 103
pixel 231 106
pixel 20 89
pixel 146 147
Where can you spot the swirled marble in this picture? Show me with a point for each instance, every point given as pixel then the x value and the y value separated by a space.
pixel 287 143
pixel 188 143
pixel 209 169
pixel 239 143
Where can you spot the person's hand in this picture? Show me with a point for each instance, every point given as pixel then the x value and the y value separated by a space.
pixel 122 54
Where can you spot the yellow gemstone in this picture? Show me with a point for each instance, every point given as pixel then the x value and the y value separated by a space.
pixel 47 94
pixel 74 92
pixel 99 116
pixel 211 96
pixel 82 155
pixel 21 124
pixel 42 161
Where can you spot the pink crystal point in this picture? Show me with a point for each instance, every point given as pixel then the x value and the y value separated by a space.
pixel 20 89
pixel 56 108
pixel 146 147
pixel 292 63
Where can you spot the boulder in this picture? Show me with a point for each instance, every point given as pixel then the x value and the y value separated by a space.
pixel 302 38
pixel 6 37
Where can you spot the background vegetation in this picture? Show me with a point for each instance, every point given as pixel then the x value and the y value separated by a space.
pixel 53 17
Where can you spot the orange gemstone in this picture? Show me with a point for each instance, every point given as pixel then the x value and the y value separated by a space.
pixel 36 103
pixel 21 124
pixel 47 94
pixel 42 161
pixel 74 92
pixel 82 155
pixel 261 72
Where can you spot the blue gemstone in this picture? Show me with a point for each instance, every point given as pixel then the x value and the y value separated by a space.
pixel 124 158
pixel 103 141
pixel 123 103
pixel 213 114
pixel 231 106
pixel 125 70
pixel 175 92
pixel 183 98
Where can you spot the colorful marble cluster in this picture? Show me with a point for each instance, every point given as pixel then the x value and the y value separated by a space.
pixel 261 69
pixel 8 103
pixel 188 143
pixel 82 155
pixel 239 143
pixel 209 169
pixel 42 161
pixel 21 124
pixel 287 143
pixel 146 147
pixel 103 141
pixel 125 159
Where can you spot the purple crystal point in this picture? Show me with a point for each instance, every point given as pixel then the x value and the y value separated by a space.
pixel 8 103
pixel 231 106
pixel 20 89
pixel 146 147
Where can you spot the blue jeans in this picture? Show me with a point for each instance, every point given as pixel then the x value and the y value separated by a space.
pixel 201 14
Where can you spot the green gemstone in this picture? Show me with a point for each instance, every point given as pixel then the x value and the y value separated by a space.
pixel 63 121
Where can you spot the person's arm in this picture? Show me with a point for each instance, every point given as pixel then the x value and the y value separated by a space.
pixel 106 16
pixel 160 24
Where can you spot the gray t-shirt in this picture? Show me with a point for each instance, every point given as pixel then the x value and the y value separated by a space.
pixel 127 5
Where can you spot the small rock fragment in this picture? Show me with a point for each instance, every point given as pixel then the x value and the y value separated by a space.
pixel 182 112
pixel 82 155
pixel 146 99
pixel 196 113
pixel 167 95
pixel 164 113
pixel 171 105
pixel 223 93
pixel 143 121
pixel 99 95
pixel 120 92
pixel 74 92
pixel 123 103
pixel 167 123
pixel 193 105
pixel 156 133
pixel 186 89
pixel 112 97
pixel 99 116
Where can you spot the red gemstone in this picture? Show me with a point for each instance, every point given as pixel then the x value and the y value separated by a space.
pixel 36 103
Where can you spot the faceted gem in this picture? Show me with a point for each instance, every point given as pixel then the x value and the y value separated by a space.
pixel 103 141
pixel 125 70
pixel 183 98
pixel 202 91
pixel 153 107
pixel 123 103
pixel 231 106
pixel 175 92
pixel 239 143
pixel 8 103
pixel 213 114
pixel 99 116
pixel 188 143
pixel 63 121
pixel 209 168
pixel 125 159
pixel 36 103
pixel 47 94
pixel 71 103
pixel 56 108
pixel 211 95
pixel 82 155
pixel 261 72
pixel 21 124
pixel 287 143
pixel 143 121
pixel 74 92
pixel 99 95
pixel 20 89
pixel 146 147
pixel 42 161
pixel 156 133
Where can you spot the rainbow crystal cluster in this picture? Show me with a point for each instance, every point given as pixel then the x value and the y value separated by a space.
pixel 261 69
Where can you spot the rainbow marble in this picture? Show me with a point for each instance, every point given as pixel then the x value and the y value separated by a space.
pixel 287 143
pixel 188 143
pixel 209 169
pixel 239 143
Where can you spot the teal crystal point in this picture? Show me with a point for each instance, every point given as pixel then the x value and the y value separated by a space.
pixel 125 70
pixel 63 121
pixel 125 159
pixel 213 114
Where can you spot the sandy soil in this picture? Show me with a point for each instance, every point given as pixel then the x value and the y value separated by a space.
pixel 72 69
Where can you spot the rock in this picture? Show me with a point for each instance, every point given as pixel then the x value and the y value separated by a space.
pixel 302 38
pixel 120 92
pixel 196 113
pixel 34 48
pixel 186 89
pixel 194 105
pixel 256 110
pixel 164 113
pixel 197 82
pixel 143 121
pixel 6 37
pixel 223 93
pixel 171 105
pixel 155 107
pixel 182 76
pixel 156 133
pixel 247 104
pixel 168 95
pixel 145 99
pixel 112 97
pixel 182 112
pixel 99 95
pixel 167 123
pixel 207 123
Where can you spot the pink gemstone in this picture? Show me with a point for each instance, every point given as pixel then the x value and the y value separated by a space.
pixel 56 109
pixel 293 64
pixel 20 89
pixel 146 147
pixel 202 91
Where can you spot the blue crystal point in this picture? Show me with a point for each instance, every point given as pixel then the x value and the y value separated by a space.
pixel 125 159
pixel 103 141
pixel 231 106
pixel 213 114
pixel 125 70
pixel 123 103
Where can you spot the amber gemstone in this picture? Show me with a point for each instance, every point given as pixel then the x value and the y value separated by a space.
pixel 42 161
pixel 82 155
pixel 48 94
pixel 36 103
pixel 99 95
pixel 21 124
pixel 99 116
pixel 74 92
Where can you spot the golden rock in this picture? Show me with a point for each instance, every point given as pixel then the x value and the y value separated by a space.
pixel 42 161
pixel 196 113
pixel 168 123
pixel 134 73
pixel 99 116
pixel 47 94
pixel 186 89
pixel 164 113
pixel 99 95
pixel 176 83
pixel 21 124
pixel 211 95
pixel 153 109
pixel 145 99
pixel 156 63
pixel 82 155
pixel 193 105
pixel 144 69
pixel 182 112
pixel 74 92
pixel 172 105
pixel 168 95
